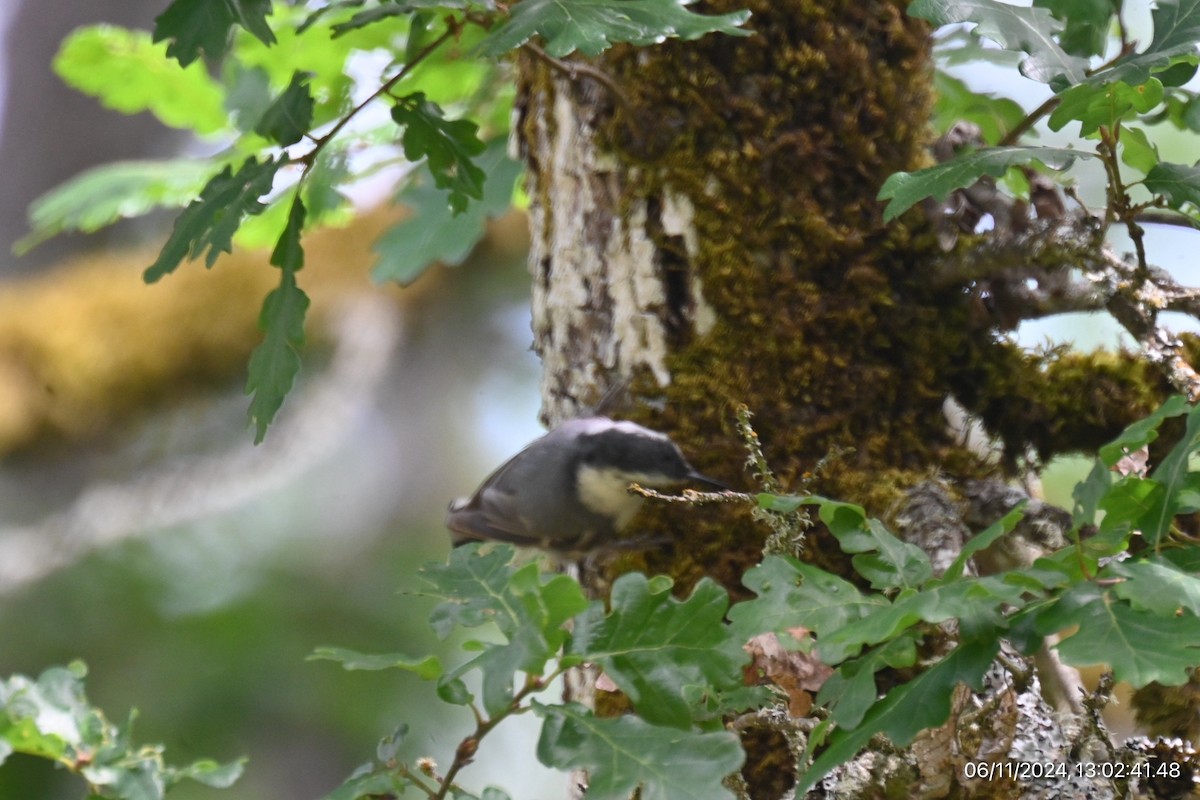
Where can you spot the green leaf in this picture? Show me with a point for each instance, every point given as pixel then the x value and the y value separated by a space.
pixel 478 586
pixel 983 540
pixel 976 602
pixel 210 221
pixel 1139 646
pixel 780 504
pixel 1176 31
pixel 1185 558
pixel 1133 502
pixel 1089 493
pixel 1156 585
pixel 454 692
pixel 325 203
pixel 1086 24
pixel 428 668
pixel 127 72
pixel 418 34
pixel 882 558
pixel 336 64
pixel 956 102
pixel 1137 150
pixel 906 189
pixel 1104 105
pixel 388 749
pixel 433 233
pixel 46 717
pixel 213 773
pixel 624 753
pixel 1178 495
pixel 50 718
pixel 368 783
pixel 290 117
pixel 247 94
pixel 332 6
pixel 896 563
pixel 850 692
pixel 370 16
pixel 793 594
pixel 592 26
pixel 1017 28
pixel 956 46
pixel 448 146
pixel 120 190
pixel 1179 73
pixel 1141 433
pixel 1175 183
pixel 654 647
pixel 490 793
pixel 288 255
pixel 908 709
pixel 275 363
pixel 527 650
pixel 321 193
pixel 472 586
pixel 194 27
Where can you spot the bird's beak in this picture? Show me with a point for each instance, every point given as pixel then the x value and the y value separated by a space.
pixel 701 478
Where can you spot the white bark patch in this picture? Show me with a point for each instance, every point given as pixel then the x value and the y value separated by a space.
pixel 678 219
pixel 599 300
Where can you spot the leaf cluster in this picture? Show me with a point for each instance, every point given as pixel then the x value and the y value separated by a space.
pixel 1122 595
pixel 1114 98
pixel 50 718
pixel 1126 586
pixel 675 660
pixel 271 83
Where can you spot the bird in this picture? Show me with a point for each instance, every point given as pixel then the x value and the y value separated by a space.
pixel 567 492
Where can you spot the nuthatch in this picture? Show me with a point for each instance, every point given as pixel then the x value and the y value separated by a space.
pixel 568 491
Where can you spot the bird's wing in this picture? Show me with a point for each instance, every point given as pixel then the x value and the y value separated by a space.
pixel 490 514
pixel 493 511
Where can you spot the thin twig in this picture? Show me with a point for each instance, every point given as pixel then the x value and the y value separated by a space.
pixel 1177 220
pixel 1029 121
pixel 464 754
pixel 309 159
pixel 1118 200
pixel 693 497
pixel 576 69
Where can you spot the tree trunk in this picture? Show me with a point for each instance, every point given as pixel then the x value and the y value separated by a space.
pixel 704 226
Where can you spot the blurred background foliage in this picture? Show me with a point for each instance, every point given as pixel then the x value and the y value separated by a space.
pixel 143 534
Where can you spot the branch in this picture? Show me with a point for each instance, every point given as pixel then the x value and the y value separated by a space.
pixel 1031 119
pixel 1027 269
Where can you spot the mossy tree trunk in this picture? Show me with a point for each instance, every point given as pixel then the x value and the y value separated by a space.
pixel 705 225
